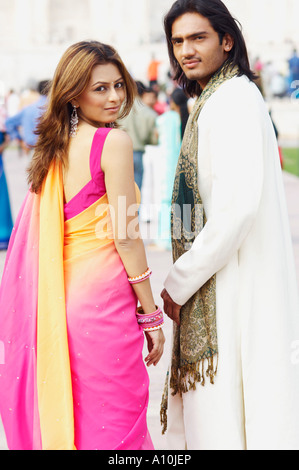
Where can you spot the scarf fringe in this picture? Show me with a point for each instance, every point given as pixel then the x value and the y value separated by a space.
pixel 186 378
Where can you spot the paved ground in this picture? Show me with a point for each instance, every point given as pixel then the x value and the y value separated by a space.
pixel 159 261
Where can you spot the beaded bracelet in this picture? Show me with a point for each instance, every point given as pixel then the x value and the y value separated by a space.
pixel 141 277
pixel 151 321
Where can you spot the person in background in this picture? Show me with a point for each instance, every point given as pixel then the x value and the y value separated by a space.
pixel 179 103
pixel 278 85
pixel 22 126
pixel 140 124
pixel 6 222
pixel 258 68
pixel 12 103
pixel 153 71
pixel 152 98
pixel 29 94
pixel 171 127
pixel 294 73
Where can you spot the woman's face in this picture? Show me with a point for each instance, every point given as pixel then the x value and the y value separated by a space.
pixel 103 97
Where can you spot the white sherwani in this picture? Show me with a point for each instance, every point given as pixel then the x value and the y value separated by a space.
pixel 254 403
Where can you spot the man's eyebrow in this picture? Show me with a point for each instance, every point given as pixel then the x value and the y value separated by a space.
pixel 190 36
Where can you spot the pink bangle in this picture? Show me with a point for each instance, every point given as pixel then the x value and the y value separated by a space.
pixel 152 321
pixel 141 277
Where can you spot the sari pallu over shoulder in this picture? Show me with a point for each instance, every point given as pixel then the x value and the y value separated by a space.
pixel 35 363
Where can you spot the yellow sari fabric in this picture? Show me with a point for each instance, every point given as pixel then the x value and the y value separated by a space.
pixel 53 364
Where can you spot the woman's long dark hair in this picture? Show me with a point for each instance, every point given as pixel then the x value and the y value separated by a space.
pixel 223 23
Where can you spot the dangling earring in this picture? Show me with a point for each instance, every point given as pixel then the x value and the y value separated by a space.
pixel 74 122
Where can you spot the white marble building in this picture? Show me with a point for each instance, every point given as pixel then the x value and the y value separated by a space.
pixel 34 33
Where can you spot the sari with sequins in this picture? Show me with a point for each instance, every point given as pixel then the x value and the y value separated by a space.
pixel 72 375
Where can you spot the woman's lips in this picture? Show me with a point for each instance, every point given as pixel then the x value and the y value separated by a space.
pixel 113 110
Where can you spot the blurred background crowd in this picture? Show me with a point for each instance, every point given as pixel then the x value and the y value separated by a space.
pixel 35 33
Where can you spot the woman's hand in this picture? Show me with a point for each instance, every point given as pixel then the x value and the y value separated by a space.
pixel 155 344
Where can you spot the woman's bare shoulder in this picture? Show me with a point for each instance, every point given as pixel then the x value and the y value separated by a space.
pixel 118 143
pixel 118 137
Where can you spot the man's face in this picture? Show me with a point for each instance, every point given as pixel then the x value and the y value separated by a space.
pixel 197 47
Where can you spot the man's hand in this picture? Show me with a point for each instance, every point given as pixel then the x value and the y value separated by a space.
pixel 171 309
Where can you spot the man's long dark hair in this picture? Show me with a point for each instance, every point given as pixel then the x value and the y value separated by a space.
pixel 222 22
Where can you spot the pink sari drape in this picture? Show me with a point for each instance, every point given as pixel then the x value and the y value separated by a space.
pixel 18 317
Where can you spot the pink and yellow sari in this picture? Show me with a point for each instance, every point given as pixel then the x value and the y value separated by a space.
pixel 72 375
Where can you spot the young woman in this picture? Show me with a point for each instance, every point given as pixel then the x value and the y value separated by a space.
pixel 74 376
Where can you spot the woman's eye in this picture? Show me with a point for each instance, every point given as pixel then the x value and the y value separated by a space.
pixel 119 85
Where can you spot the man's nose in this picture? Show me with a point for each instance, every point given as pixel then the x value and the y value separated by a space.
pixel 188 49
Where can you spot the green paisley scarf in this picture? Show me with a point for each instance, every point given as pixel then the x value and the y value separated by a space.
pixel 195 348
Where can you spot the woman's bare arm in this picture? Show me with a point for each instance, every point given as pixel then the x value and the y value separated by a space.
pixel 117 164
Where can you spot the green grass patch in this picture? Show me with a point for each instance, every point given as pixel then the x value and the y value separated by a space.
pixel 291 160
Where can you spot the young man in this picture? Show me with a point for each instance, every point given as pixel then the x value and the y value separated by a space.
pixel 232 291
